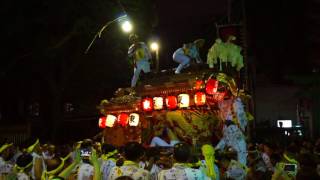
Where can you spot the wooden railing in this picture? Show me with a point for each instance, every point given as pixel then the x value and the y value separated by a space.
pixel 15 134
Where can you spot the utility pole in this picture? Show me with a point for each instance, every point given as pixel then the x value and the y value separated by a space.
pixel 248 80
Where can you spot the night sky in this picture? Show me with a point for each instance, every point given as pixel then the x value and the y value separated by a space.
pixel 43 43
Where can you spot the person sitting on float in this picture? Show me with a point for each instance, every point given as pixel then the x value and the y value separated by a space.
pixel 166 139
pixel 184 54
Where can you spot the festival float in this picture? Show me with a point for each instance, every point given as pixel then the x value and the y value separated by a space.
pixel 192 105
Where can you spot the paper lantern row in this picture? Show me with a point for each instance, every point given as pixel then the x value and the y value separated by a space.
pixel 211 85
pixel 172 102
pixel 123 119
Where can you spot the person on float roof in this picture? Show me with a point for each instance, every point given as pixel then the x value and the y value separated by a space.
pixel 140 56
pixel 185 54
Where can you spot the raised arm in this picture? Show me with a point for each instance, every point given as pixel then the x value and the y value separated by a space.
pixel 96 165
pixel 67 171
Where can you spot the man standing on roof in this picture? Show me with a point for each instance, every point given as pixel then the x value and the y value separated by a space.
pixel 184 54
pixel 140 55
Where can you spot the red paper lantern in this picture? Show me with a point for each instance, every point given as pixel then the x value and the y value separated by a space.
pixel 123 119
pixel 198 85
pixel 147 104
pixel 171 102
pixel 102 122
pixel 212 86
pixel 200 98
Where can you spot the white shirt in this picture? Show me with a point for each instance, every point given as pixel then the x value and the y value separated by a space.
pixel 154 170
pixel 106 167
pixel 266 160
pixel 232 136
pixel 35 157
pixel 131 170
pixel 22 176
pixel 85 171
pixel 5 167
pixel 181 172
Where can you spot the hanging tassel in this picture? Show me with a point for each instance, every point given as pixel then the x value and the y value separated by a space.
pixel 208 153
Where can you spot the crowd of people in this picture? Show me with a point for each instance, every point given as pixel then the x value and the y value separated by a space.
pixel 88 159
pixel 164 158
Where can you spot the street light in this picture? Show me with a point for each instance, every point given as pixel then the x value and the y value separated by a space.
pixel 126 27
pixel 154 46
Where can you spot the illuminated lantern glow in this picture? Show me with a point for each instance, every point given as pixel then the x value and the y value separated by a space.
pixel 127 26
pixel 198 85
pixel 183 100
pixel 154 46
pixel 219 96
pixel 158 103
pixel 147 104
pixel 134 119
pixel 111 119
pixel 102 122
pixel 200 98
pixel 123 119
pixel 212 86
pixel 171 102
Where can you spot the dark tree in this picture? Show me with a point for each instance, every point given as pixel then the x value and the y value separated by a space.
pixel 45 43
